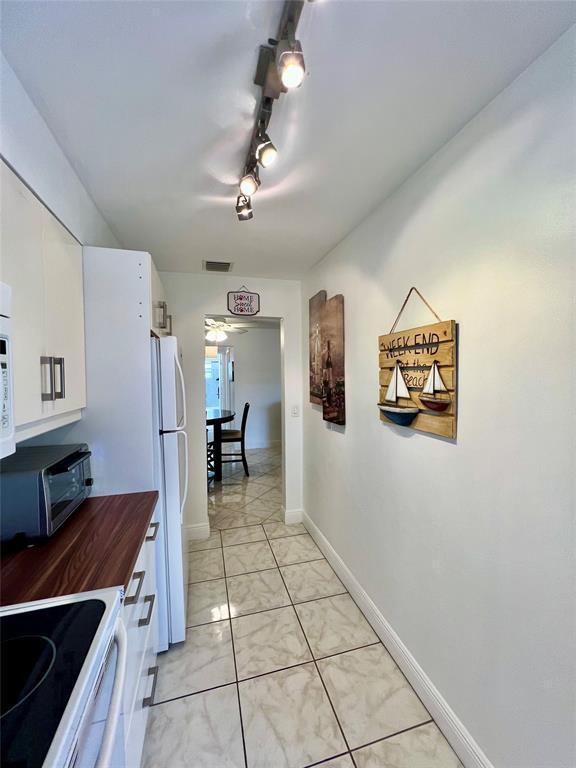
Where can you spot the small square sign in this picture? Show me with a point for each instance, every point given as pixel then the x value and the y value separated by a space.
pixel 243 302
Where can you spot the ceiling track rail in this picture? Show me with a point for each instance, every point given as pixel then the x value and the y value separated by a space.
pixel 279 54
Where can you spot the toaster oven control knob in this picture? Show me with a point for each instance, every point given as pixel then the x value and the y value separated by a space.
pixel 89 481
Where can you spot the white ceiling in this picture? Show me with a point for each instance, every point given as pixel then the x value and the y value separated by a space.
pixel 153 104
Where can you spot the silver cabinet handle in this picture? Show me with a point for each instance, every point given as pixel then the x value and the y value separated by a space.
pixel 60 394
pixel 169 324
pixel 139 577
pixel 145 621
pixel 163 306
pixel 154 534
pixel 149 700
pixel 49 361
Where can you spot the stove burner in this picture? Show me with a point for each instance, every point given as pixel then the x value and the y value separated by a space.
pixel 26 661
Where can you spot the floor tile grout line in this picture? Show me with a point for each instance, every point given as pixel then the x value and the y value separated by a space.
pixel 315 662
pixel 396 733
pixel 246 573
pixel 328 759
pixel 235 664
pixel 299 663
pixel 193 693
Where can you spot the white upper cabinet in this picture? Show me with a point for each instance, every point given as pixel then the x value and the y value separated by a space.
pixel 21 268
pixel 42 263
pixel 64 312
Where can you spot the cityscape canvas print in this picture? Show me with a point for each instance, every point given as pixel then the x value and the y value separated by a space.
pixel 316 305
pixel 326 338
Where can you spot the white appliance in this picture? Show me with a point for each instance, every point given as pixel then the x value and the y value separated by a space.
pixel 88 732
pixel 7 443
pixel 135 419
pixel 171 462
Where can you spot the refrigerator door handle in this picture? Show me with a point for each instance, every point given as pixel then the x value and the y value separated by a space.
pixel 183 389
pixel 185 494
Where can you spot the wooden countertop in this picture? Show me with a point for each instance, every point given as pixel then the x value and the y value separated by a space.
pixel 96 548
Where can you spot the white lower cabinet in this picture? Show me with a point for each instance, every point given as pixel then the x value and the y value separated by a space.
pixel 140 618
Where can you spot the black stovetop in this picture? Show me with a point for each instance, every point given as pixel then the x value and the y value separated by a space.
pixel 42 653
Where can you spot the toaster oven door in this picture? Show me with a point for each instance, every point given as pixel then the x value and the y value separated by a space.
pixel 66 485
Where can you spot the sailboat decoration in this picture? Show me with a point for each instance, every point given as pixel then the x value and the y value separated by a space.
pixel 397 388
pixel 433 385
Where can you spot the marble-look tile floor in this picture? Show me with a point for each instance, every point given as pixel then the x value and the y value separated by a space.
pixel 279 669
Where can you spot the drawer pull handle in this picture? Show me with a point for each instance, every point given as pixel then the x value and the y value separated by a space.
pixel 149 700
pixel 154 534
pixel 150 600
pixel 139 577
pixel 60 363
pixel 48 361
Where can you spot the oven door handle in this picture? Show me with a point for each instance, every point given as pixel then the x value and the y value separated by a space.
pixel 115 709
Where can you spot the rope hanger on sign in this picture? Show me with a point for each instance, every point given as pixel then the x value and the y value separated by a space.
pixel 406 302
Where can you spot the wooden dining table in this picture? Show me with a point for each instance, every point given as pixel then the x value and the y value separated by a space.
pixel 215 417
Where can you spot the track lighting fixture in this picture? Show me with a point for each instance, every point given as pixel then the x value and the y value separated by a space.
pixel 290 63
pixel 266 152
pixel 249 183
pixel 244 211
pixel 280 68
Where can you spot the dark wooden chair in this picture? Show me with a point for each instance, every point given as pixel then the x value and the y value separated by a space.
pixel 237 436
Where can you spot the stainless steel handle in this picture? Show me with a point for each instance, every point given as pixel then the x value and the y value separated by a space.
pixel 149 700
pixel 60 394
pixel 169 324
pixel 49 361
pixel 139 577
pixel 154 534
pixel 150 600
pixel 162 305
pixel 115 707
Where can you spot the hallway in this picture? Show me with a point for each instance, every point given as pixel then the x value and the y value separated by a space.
pixel 279 667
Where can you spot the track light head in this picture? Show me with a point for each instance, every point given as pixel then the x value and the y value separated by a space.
pixel 249 183
pixel 266 152
pixel 290 63
pixel 244 208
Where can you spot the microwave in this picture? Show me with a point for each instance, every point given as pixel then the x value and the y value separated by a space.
pixel 40 487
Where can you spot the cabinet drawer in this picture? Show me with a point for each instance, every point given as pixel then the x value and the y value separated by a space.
pixel 140 612
pixel 136 726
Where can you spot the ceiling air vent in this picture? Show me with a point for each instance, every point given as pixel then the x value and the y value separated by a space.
pixel 217 266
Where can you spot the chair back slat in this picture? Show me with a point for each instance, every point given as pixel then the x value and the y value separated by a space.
pixel 244 419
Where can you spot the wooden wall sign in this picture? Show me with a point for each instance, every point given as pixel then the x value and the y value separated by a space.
pixel 326 356
pixel 418 378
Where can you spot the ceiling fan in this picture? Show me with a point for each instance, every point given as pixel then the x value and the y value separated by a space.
pixel 218 330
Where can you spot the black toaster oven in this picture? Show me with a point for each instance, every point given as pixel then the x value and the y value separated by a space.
pixel 40 487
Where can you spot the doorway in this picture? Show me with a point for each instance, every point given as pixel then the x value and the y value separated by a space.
pixel 243 379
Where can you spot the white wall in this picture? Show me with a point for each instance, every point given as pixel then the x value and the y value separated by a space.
pixel 28 145
pixel 466 546
pixel 190 298
pixel 257 381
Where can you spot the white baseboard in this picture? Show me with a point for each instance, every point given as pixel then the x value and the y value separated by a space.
pixel 293 516
pixel 460 739
pixel 197 531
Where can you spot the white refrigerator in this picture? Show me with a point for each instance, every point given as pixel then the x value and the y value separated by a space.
pixel 171 469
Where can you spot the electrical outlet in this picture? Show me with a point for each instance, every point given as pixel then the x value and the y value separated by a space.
pixel 295 411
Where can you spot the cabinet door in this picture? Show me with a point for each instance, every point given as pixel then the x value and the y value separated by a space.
pixel 21 267
pixel 64 313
